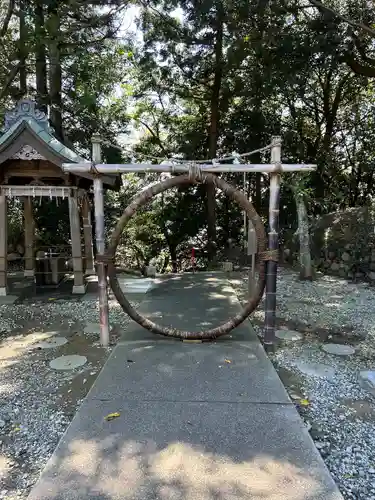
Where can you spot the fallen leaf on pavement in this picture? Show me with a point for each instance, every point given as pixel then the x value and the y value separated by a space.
pixel 304 402
pixel 111 416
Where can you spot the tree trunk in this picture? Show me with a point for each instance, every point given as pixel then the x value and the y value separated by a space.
pixel 55 73
pixel 304 239
pixel 22 51
pixel 226 220
pixel 173 252
pixel 172 247
pixel 214 129
pixel 165 264
pixel 40 57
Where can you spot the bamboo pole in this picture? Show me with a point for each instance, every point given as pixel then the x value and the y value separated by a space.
pixel 115 168
pixel 273 245
pixel 244 216
pixel 3 243
pixel 100 245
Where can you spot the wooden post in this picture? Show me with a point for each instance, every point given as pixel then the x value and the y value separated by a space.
pixel 100 245
pixel 29 227
pixel 3 244
pixel 273 245
pixel 87 234
pixel 75 234
pixel 306 272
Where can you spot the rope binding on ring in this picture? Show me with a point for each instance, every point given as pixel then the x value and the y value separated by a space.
pixel 195 173
pixel 93 169
pixel 269 255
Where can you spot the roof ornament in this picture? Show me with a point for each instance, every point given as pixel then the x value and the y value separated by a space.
pixel 25 109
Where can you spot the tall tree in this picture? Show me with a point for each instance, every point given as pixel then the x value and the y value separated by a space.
pixel 54 36
pixel 22 47
pixel 40 37
pixel 213 135
pixel 358 20
pixel 9 53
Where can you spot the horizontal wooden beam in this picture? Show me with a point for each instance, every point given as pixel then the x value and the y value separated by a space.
pixel 35 174
pixel 115 168
pixel 39 191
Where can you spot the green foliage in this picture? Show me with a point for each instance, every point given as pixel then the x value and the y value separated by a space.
pixel 52 222
pixel 15 223
pixel 282 71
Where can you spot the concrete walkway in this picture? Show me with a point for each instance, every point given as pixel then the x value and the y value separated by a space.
pixel 205 421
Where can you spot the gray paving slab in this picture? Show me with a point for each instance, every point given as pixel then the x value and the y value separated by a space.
pixel 135 284
pixel 230 371
pixel 186 451
pixel 133 297
pixel 8 299
pixel 197 421
pixel 89 297
pixel 189 302
pixel 136 298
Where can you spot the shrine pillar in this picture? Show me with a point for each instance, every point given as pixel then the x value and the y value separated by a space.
pixel 3 244
pixel 87 235
pixel 75 235
pixel 29 226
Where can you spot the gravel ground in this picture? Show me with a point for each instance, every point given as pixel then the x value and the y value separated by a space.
pixel 337 407
pixel 36 402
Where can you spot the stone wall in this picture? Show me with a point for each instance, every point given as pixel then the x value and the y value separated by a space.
pixel 342 244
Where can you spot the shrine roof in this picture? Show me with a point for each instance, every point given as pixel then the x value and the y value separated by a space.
pixel 27 126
